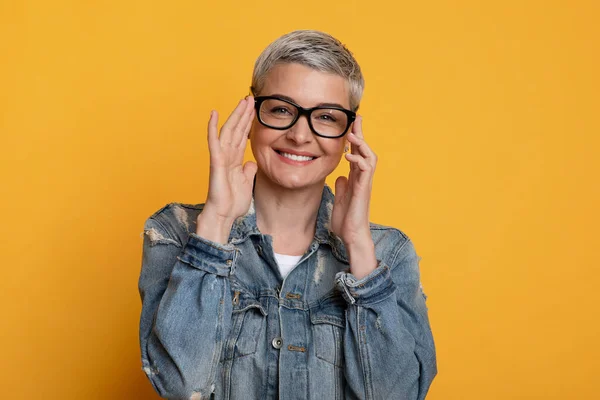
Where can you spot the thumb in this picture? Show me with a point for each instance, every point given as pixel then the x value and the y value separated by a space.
pixel 249 170
pixel 213 132
pixel 341 186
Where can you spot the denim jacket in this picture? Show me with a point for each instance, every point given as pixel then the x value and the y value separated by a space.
pixel 219 322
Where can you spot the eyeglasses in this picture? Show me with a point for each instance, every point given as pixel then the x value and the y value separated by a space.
pixel 277 113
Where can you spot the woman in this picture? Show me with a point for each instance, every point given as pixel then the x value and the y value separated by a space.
pixel 274 288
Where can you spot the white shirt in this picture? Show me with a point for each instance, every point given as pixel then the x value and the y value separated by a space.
pixel 286 263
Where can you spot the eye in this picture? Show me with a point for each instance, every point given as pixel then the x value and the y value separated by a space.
pixel 326 117
pixel 280 110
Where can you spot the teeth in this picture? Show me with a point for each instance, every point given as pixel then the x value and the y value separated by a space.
pixel 295 157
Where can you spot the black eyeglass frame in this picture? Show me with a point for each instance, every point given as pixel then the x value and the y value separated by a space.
pixel 302 111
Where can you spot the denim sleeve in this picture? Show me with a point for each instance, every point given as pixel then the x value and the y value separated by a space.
pixel 388 343
pixel 186 311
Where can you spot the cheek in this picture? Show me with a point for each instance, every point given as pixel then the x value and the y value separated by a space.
pixel 257 137
pixel 335 152
pixel 260 141
pixel 333 148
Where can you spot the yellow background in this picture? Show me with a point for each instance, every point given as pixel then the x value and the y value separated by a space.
pixel 484 116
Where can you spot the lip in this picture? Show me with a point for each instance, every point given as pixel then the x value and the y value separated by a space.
pixel 294 162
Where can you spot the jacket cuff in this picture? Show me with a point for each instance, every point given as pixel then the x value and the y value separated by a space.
pixel 212 257
pixel 370 289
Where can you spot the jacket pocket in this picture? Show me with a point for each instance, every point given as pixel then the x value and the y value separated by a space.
pixel 249 323
pixel 328 322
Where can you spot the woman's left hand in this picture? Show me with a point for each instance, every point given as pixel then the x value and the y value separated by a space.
pixel 350 216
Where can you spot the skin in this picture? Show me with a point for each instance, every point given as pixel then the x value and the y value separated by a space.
pixel 287 195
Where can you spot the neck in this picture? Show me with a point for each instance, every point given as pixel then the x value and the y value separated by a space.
pixel 286 214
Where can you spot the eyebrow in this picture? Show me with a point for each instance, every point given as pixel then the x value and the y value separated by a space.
pixel 288 98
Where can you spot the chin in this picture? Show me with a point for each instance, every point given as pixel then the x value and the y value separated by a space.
pixel 294 182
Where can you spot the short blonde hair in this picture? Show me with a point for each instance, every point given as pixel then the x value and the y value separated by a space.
pixel 314 49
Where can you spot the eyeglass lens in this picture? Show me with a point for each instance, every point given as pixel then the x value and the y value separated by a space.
pixel 326 121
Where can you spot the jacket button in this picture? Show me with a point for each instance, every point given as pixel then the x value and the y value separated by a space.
pixel 277 342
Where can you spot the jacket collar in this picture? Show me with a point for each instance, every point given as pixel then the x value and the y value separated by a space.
pixel 246 226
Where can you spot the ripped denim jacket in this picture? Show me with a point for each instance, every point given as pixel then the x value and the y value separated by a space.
pixel 219 322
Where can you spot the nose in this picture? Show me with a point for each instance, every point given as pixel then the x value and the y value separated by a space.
pixel 300 132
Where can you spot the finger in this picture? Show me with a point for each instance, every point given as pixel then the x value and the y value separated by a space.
pixel 360 145
pixel 245 134
pixel 362 148
pixel 352 165
pixel 249 170
pixel 244 124
pixel 353 151
pixel 362 175
pixel 229 125
pixel 213 135
pixel 341 186
pixel 359 161
pixel 357 127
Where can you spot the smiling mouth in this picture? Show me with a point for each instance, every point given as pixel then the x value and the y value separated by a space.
pixel 294 157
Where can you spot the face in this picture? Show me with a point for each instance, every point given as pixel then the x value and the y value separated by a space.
pixel 307 88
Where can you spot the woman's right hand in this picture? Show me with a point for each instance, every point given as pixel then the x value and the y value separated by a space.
pixel 230 181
